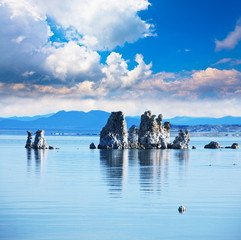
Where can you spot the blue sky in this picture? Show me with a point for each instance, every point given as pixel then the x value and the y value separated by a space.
pixel 186 32
pixel 175 57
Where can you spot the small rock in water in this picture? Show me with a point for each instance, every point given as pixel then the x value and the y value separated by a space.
pixel 213 145
pixel 235 146
pixel 92 146
pixel 182 209
pixel 181 141
pixel 193 147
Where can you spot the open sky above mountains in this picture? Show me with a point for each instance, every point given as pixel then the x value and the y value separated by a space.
pixel 176 57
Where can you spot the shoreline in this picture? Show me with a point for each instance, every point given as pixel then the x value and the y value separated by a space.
pixel 77 133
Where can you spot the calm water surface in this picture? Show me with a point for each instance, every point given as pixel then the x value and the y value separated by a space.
pixel 76 193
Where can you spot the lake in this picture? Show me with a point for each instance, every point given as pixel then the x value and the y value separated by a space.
pixel 81 194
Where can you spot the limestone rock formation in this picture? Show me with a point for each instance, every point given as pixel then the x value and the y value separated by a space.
pixel 29 140
pixel 213 145
pixel 133 138
pixel 114 135
pixel 152 134
pixel 181 141
pixel 39 141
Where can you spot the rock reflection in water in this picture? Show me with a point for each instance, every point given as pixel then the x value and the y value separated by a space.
pixel 39 159
pixel 182 156
pixel 115 164
pixel 152 166
pixel 153 169
pixel 133 157
pixel 29 158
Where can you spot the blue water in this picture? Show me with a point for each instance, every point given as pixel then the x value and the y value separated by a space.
pixel 74 193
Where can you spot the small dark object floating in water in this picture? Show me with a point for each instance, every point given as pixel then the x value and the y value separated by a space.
pixel 181 209
pixel 92 146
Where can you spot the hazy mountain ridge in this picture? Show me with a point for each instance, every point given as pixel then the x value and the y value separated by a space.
pixel 192 121
pixel 94 120
pixel 27 118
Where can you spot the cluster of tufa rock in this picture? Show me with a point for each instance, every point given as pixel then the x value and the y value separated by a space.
pixel 39 141
pixel 151 134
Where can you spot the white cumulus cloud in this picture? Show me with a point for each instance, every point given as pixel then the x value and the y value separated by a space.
pixel 102 24
pixel 71 61
pixel 99 24
pixel 118 75
pixel 26 45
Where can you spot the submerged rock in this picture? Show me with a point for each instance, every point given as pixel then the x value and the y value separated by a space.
pixel 39 141
pixel 213 145
pixel 182 140
pixel 114 135
pixel 152 134
pixel 92 146
pixel 29 140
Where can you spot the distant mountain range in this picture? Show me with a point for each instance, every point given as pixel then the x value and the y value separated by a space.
pixel 26 118
pixel 93 121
